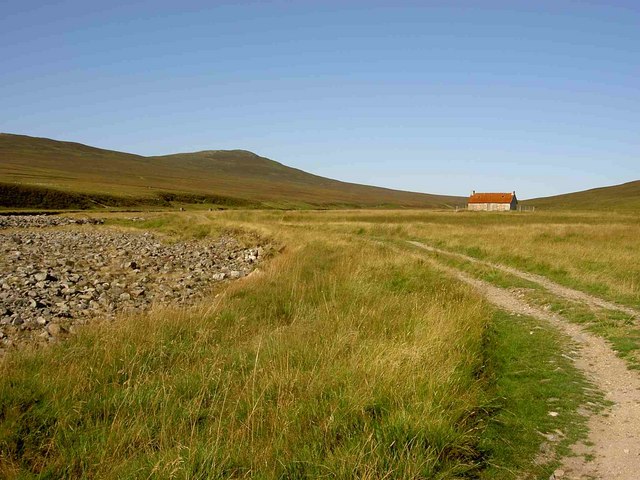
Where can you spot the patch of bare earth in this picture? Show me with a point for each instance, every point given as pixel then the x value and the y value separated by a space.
pixel 613 447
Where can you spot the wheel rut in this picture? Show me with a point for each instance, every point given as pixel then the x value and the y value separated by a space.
pixel 614 435
pixel 555 288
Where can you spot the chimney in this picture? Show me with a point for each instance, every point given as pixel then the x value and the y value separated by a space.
pixel 473 192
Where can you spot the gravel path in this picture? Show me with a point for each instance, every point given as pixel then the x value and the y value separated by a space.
pixel 553 287
pixel 614 436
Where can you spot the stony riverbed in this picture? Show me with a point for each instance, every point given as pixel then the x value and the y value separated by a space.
pixel 53 279
pixel 42 221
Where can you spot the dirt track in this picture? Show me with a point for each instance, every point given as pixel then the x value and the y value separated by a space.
pixel 553 287
pixel 614 435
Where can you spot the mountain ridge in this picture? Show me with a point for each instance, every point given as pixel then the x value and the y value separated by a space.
pixel 72 167
pixel 621 197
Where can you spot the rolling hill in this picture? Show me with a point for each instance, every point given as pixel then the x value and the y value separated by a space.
pixel 39 172
pixel 623 198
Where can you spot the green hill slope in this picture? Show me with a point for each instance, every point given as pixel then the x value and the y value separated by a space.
pixel 623 198
pixel 29 165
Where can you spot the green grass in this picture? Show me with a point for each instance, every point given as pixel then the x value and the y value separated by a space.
pixel 532 378
pixel 622 332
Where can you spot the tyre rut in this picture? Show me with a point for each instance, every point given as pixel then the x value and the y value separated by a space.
pixel 555 288
pixel 614 435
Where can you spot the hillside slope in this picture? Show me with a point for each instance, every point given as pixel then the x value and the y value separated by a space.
pixel 624 197
pixel 232 176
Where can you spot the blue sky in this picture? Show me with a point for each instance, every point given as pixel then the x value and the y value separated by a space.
pixel 441 97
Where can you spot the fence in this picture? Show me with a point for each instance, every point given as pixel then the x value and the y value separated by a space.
pixel 526 208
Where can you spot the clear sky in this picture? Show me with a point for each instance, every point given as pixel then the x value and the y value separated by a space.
pixel 442 97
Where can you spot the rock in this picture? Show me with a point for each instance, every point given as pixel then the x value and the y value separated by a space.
pixel 33 303
pixel 40 221
pixel 54 329
pixel 41 277
pixel 137 292
pixel 80 274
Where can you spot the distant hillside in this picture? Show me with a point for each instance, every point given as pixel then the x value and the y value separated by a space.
pixel 39 172
pixel 625 197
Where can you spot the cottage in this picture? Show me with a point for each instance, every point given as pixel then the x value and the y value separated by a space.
pixel 493 202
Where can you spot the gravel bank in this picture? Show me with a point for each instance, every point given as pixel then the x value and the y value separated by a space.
pixel 52 280
pixel 42 221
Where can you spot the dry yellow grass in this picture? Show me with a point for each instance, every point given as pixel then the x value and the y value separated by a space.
pixel 345 356
pixel 595 252
pixel 339 358
pixel 600 256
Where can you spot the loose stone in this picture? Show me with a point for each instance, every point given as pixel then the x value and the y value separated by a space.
pixel 52 279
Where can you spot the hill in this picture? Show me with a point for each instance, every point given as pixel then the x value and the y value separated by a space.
pixel 40 172
pixel 625 197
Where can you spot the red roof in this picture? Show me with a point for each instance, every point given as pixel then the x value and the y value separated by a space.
pixel 491 198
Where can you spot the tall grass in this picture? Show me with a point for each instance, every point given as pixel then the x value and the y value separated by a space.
pixel 603 259
pixel 342 357
pixel 339 359
pixel 594 252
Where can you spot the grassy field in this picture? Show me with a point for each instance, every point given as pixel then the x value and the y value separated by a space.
pixel 55 174
pixel 595 252
pixel 348 355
